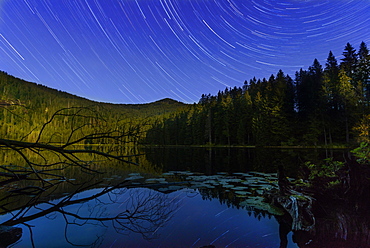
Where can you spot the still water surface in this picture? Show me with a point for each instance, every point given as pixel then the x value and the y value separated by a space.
pixel 178 198
pixel 194 222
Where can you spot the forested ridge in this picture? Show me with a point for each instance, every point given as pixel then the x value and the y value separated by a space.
pixel 26 106
pixel 323 105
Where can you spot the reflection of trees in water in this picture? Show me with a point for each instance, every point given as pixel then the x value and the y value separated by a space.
pixel 146 211
pixel 341 219
pixel 235 159
pixel 137 210
pixel 342 213
pixel 71 137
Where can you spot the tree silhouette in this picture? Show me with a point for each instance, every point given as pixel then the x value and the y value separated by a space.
pixel 142 211
pixel 84 139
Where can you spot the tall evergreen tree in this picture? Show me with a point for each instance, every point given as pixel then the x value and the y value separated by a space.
pixel 348 97
pixel 363 73
pixel 331 66
pixel 309 84
pixel 349 61
pixel 331 103
pixel 309 100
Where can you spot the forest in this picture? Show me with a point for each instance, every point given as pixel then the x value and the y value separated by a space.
pixel 321 106
pixel 45 132
pixel 53 141
pixel 26 107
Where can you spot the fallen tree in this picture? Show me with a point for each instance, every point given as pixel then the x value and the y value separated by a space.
pixel 76 136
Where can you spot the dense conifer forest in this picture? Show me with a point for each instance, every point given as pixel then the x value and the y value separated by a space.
pixel 25 107
pixel 323 105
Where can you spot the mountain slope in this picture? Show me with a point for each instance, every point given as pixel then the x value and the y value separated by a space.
pixel 38 97
pixel 25 107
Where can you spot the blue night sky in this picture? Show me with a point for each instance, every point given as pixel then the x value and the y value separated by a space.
pixel 137 51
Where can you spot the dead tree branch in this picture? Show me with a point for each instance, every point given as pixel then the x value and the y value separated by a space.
pixel 75 136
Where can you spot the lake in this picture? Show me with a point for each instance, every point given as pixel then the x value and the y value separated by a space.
pixel 176 197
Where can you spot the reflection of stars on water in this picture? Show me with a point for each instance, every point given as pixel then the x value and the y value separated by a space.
pixel 141 50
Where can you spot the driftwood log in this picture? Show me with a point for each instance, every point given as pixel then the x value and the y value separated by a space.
pixel 296 205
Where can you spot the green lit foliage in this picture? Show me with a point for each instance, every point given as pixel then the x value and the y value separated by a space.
pixel 327 169
pixel 362 153
pixel 362 129
pixel 25 107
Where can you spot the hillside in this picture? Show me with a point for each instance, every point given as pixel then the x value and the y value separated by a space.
pixel 37 96
pixel 26 106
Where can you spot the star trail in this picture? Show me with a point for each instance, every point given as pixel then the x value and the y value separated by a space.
pixel 138 51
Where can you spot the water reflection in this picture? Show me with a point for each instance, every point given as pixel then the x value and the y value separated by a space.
pixel 218 159
pixel 125 210
pixel 173 209
pixel 165 213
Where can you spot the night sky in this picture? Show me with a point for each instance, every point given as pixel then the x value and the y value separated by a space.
pixel 137 51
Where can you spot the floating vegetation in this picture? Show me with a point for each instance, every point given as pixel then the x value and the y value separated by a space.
pixel 156 180
pixel 237 181
pixel 239 188
pixel 168 174
pixel 134 177
pixel 243 193
pixel 248 187
pixel 259 203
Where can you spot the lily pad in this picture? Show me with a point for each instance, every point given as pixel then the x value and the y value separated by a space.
pixel 211 182
pixel 243 192
pixel 229 186
pixel 233 180
pixel 259 191
pixel 240 188
pixel 258 203
pixel 260 173
pixel 184 173
pixel 134 178
pixel 201 185
pixel 156 180
pixel 133 174
pixel 168 174
pixel 239 173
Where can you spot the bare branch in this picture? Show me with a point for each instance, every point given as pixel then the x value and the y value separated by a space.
pixel 71 128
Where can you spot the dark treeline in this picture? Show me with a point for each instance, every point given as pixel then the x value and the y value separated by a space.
pixel 323 105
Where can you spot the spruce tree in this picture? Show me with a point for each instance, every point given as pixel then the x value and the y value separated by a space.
pixel 349 61
pixel 331 99
pixel 363 73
